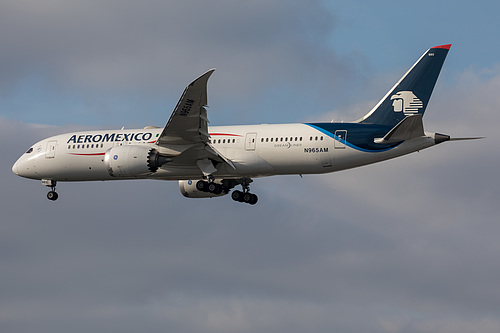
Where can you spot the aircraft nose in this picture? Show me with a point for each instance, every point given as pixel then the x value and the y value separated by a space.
pixel 15 168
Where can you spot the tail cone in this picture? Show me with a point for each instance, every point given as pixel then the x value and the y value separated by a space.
pixel 438 138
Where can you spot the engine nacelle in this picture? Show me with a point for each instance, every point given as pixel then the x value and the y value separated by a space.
pixel 189 190
pixel 133 161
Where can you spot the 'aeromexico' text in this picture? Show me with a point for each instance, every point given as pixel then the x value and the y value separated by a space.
pixel 110 137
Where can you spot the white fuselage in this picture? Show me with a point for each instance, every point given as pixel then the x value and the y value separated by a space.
pixel 254 150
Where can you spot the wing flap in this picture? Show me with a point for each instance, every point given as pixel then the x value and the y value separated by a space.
pixel 211 149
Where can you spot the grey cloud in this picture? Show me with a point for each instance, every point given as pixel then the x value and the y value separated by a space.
pixel 88 57
pixel 154 45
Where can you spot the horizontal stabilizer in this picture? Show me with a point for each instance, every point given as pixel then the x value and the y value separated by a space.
pixel 409 128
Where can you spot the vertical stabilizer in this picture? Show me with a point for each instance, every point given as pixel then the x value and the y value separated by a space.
pixel 411 94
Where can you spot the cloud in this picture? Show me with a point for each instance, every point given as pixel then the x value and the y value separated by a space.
pixel 99 61
pixel 155 45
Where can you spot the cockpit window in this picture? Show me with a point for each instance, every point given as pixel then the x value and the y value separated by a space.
pixel 29 150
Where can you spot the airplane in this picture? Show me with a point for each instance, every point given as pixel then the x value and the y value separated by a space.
pixel 212 161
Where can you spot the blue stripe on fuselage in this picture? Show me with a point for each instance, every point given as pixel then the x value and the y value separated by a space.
pixel 359 136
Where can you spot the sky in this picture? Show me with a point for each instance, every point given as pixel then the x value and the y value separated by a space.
pixel 406 245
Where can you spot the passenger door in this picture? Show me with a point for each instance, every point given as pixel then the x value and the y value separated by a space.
pixel 250 141
pixel 342 139
pixel 51 149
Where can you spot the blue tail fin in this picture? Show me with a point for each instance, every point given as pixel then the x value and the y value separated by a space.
pixel 411 94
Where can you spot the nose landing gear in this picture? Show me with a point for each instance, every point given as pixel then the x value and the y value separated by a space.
pixel 52 195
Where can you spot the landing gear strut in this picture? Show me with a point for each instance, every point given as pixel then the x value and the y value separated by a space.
pixel 52 195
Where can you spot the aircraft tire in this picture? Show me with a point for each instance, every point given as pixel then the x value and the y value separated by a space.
pixel 52 195
pixel 254 199
pixel 237 196
pixel 202 185
pixel 218 189
pixel 212 187
pixel 247 197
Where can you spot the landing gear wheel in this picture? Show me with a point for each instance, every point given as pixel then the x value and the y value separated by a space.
pixel 215 188
pixel 247 197
pixel 254 199
pixel 212 187
pixel 202 185
pixel 250 198
pixel 237 196
pixel 52 195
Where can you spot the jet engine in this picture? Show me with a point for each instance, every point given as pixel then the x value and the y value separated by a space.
pixel 133 161
pixel 200 189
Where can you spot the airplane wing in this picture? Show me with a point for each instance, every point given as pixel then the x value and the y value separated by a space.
pixel 186 133
pixel 188 123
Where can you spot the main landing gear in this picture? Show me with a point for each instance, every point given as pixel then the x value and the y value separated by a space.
pixel 227 184
pixel 210 187
pixel 52 195
pixel 245 195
